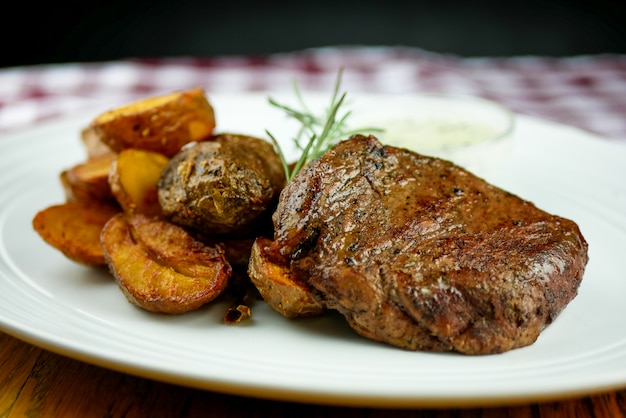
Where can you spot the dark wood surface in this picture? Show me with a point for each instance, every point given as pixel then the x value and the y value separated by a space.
pixel 37 383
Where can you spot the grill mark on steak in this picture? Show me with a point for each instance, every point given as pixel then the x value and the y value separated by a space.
pixel 417 252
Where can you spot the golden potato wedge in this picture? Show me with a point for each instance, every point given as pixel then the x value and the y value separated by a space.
pixel 160 267
pixel 133 180
pixel 162 124
pixel 278 287
pixel 74 229
pixel 89 181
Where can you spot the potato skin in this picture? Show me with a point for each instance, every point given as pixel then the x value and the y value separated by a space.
pixel 224 185
pixel 160 267
pixel 93 143
pixel 89 181
pixel 74 229
pixel 162 124
pixel 278 286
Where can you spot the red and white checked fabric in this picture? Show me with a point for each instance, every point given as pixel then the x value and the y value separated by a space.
pixel 587 91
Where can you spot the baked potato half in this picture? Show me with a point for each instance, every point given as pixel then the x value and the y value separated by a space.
pixel 74 229
pixel 227 185
pixel 160 267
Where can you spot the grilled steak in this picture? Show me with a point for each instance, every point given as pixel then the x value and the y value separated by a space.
pixel 419 253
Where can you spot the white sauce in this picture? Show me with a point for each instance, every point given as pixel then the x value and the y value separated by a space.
pixel 469 144
pixel 435 134
pixel 471 132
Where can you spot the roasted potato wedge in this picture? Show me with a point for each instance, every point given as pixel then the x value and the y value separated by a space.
pixel 133 180
pixel 160 267
pixel 74 229
pixel 89 181
pixel 227 185
pixel 93 144
pixel 278 287
pixel 162 124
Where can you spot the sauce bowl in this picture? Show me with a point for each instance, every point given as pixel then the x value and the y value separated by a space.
pixel 472 132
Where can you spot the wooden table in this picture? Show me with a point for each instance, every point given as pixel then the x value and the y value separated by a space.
pixel 37 383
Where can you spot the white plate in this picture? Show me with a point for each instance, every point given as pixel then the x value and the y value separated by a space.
pixel 56 304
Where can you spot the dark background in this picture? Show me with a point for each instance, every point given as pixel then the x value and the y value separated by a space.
pixel 94 30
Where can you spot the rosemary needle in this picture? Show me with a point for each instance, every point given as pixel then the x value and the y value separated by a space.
pixel 316 135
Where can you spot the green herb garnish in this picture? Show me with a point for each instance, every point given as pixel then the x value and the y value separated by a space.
pixel 317 134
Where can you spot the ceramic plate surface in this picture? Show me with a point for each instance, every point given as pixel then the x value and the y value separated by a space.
pixel 78 312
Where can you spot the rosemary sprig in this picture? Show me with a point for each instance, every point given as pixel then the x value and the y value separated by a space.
pixel 316 135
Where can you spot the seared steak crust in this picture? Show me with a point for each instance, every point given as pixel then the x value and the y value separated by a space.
pixel 418 253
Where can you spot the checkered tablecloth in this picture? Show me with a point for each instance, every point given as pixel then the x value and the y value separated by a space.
pixel 588 91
